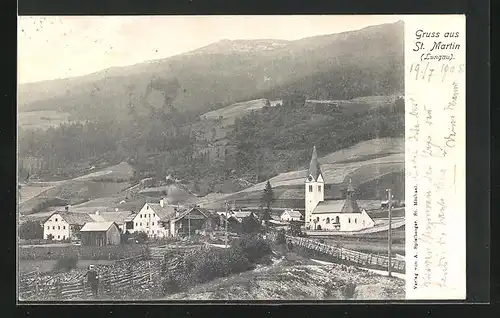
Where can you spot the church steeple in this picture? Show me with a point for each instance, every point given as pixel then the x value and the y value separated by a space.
pixel 350 189
pixel 314 168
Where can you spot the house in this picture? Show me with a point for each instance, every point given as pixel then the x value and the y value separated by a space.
pixel 291 215
pixel 332 215
pixel 154 219
pixel 62 225
pixel 240 215
pixel 100 234
pixel 194 220
pixel 123 219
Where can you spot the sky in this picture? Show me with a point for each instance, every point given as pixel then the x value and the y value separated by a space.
pixel 55 47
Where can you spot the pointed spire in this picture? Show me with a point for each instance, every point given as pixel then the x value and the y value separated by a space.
pixel 350 188
pixel 314 168
pixel 350 205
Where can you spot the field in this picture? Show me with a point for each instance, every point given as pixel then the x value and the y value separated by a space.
pixel 46 266
pixel 104 183
pixel 173 193
pixel 43 119
pixel 110 252
pixel 235 110
pixel 347 106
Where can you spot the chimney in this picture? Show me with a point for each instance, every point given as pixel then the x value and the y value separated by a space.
pixel 97 213
pixel 66 208
pixel 162 202
pixel 116 209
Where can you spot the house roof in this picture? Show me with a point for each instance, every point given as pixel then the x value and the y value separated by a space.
pixel 337 206
pixel 73 218
pixel 118 217
pixel 97 217
pixel 314 168
pixel 277 222
pixel 294 214
pixel 166 212
pixel 96 226
pixel 242 214
pixel 205 212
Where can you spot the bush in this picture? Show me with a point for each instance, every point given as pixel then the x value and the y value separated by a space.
pixel 140 237
pixel 252 247
pixel 30 230
pixel 66 263
pixel 280 238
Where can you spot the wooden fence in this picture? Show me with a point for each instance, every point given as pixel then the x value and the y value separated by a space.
pixel 141 273
pixel 349 256
pixel 115 280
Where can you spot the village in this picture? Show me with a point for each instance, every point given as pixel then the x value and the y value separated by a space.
pixel 161 220
pixel 160 228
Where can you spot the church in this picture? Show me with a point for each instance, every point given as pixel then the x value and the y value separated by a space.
pixel 331 215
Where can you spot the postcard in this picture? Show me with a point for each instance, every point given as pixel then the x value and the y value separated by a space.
pixel 241 158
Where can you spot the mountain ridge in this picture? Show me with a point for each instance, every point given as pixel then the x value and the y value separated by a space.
pixel 211 81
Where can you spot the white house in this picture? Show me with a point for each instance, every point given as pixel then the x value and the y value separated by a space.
pixel 153 219
pixel 332 215
pixel 62 225
pixel 291 215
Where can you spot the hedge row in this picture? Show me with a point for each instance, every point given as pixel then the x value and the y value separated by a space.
pixel 208 264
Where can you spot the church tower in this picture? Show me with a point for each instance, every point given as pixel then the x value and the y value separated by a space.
pixel 314 187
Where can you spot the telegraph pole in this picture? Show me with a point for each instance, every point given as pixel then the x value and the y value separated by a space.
pixel 189 224
pixel 389 241
pixel 225 228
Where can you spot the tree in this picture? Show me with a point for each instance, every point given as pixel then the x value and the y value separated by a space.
pixel 31 230
pixel 250 225
pixel 267 199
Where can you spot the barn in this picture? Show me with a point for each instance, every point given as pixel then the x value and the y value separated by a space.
pixel 100 234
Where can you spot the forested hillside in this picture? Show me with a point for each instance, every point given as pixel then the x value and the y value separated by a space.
pixel 148 114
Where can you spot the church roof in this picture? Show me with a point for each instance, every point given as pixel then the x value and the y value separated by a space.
pixel 314 168
pixel 337 206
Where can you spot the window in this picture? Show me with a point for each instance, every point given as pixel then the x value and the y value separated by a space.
pixel 319 188
pixel 59 236
pixel 48 227
pixel 64 237
pixel 64 227
pixel 355 220
pixel 147 207
pixel 310 188
pixel 349 220
pixel 58 227
pixel 327 220
pixel 337 219
pixel 56 219
pixel 135 223
pixel 363 222
pixel 147 223
pixel 152 223
pixel 140 224
pixel 53 227
pixel 140 215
